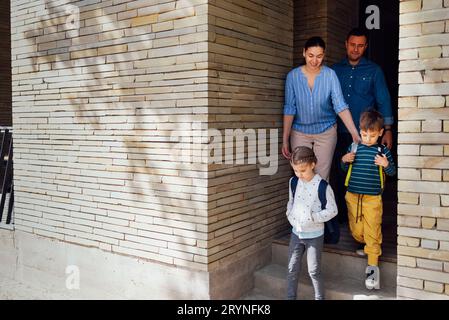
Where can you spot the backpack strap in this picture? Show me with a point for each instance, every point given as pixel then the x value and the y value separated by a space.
pixel 381 150
pixel 321 190
pixel 348 175
pixel 322 193
pixel 293 184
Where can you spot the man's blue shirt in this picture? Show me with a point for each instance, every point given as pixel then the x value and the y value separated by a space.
pixel 315 110
pixel 363 87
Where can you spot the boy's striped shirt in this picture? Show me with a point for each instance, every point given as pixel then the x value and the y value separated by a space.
pixel 365 177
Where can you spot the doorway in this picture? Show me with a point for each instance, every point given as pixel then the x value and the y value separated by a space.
pixel 319 18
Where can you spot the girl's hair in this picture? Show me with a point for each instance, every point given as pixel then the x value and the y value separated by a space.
pixel 371 120
pixel 315 42
pixel 303 155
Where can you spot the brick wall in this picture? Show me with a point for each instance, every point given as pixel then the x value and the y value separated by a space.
pixel 329 19
pixel 423 186
pixel 251 53
pixel 5 65
pixel 94 109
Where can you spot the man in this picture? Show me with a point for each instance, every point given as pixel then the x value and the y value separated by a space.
pixel 364 87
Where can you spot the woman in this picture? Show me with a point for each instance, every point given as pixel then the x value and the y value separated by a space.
pixel 313 99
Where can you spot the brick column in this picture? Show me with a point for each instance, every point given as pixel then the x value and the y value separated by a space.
pixel 423 186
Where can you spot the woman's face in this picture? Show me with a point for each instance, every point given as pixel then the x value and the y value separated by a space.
pixel 314 57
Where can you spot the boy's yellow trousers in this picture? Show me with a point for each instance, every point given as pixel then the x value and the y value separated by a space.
pixel 365 223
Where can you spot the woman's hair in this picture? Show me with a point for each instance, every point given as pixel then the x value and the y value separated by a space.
pixel 303 155
pixel 371 120
pixel 315 42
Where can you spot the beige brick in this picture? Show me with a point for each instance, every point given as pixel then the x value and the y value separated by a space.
pixel 430 52
pixel 408 149
pixel 410 30
pixel 446 153
pixel 431 126
pixel 446 266
pixel 410 77
pixel 444 245
pixel 433 286
pixel 409 126
pixel 409 221
pixel 163 26
pixel 408 241
pixel 424 274
pixel 428 223
pixel 431 150
pixel 445 200
pixel 409 174
pixel 446 286
pixel 406 197
pixel 432 4
pixel 112 49
pixel 430 200
pixel 410 282
pixel 144 20
pixel 408 102
pixel 446 76
pixel 431 175
pixel 433 76
pixel 429 244
pixel 433 27
pixel 443 224
pixel 407 261
pixel 410 6
pixel 446 50
pixel 429 264
pixel 408 54
pixel 431 102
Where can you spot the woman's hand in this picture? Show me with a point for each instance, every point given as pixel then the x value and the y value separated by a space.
pixel 356 137
pixel 381 160
pixel 348 158
pixel 286 150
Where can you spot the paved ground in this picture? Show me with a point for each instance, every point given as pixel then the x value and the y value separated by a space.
pixel 13 290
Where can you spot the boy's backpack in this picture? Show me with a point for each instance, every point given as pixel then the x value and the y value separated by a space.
pixel 380 151
pixel 331 227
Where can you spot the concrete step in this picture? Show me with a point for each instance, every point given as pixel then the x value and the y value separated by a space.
pixel 339 266
pixel 271 282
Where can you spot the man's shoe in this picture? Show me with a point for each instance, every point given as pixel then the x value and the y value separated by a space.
pixel 360 251
pixel 372 280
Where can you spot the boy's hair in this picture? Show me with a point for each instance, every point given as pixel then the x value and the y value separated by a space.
pixel 371 120
pixel 303 155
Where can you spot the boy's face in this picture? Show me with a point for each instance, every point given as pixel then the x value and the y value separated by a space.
pixel 370 137
pixel 304 171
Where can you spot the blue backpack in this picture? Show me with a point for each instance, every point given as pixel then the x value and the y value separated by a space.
pixel 331 227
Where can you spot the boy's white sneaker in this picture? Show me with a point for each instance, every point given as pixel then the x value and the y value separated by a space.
pixel 361 251
pixel 372 280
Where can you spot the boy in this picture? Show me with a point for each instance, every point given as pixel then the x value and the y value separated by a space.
pixel 366 164
pixel 307 217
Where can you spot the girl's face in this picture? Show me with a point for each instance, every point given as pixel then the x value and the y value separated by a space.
pixel 304 171
pixel 314 57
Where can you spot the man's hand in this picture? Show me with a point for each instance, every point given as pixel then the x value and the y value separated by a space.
pixel 387 139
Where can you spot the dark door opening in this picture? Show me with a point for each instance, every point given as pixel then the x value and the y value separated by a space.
pixel 383 49
pixel 5 65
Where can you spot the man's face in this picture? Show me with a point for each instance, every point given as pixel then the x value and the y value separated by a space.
pixel 355 47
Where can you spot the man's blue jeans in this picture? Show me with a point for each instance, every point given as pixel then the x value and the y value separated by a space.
pixel 296 250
